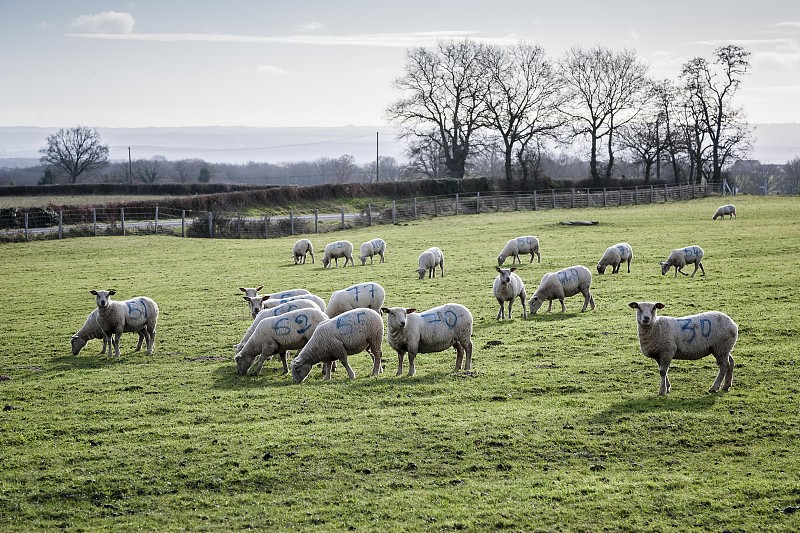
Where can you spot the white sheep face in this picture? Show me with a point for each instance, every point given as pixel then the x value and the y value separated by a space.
pixel 103 298
pixel 505 274
pixel 396 316
pixel 601 268
pixel 77 344
pixel 535 304
pixel 664 267
pixel 646 312
pixel 243 363
pixel 300 371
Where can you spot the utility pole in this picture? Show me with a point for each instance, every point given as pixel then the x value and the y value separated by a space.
pixel 377 160
pixel 130 166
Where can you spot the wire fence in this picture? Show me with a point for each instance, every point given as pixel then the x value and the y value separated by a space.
pixel 35 224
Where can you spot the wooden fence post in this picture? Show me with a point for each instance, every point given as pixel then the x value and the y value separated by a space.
pixel 291 221
pixel 122 219
pixel 369 214
pixel 156 220
pixel 210 224
pixel 553 194
pixel 316 220
pixel 26 226
pixel 456 204
pixel 394 211
pixel 94 221
pixel 415 208
pixel 478 203
pixel 342 217
pixel 534 200
pixel 183 223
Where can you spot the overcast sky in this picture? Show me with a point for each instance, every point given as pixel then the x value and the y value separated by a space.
pixel 331 63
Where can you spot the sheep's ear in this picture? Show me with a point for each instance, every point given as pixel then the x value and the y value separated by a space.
pixel 661 263
pixel 513 269
pixel 112 292
pixel 259 288
pixel 497 268
pixel 242 289
pixel 411 310
pixel 93 292
pixel 633 305
pixel 385 310
pixel 246 298
pixel 659 305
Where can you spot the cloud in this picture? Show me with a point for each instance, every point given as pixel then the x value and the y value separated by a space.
pixel 270 70
pixel 788 24
pixel 107 22
pixel 310 26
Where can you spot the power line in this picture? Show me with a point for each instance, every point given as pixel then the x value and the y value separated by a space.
pixel 193 149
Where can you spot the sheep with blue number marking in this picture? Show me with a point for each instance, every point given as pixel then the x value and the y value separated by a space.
pixel 368 294
pixel 277 334
pixel 507 287
pixel 562 284
pixel 292 305
pixel 257 303
pixel 429 260
pixel 92 330
pixel 692 337
pixel 434 330
pixel 301 250
pixel 130 315
pixel 680 257
pixel 723 210
pixel 335 250
pixel 370 249
pixel 615 256
pixel 335 339
pixel 526 244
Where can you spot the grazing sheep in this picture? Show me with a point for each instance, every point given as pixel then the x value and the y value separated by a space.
pixel 434 330
pixel 338 249
pixel 349 333
pixel 428 260
pixel 507 287
pixel 520 246
pixel 680 257
pixel 370 249
pixel 265 301
pixel 91 330
pixel 251 291
pixel 300 251
pixel 566 282
pixel 277 334
pixel 615 256
pixel 665 338
pixel 369 294
pixel 291 305
pixel 131 315
pixel 723 210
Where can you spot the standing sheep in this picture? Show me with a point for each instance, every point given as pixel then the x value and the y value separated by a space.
pixel 615 256
pixel 507 287
pixel 338 249
pixel 91 330
pixel 665 338
pixel 723 210
pixel 429 260
pixel 680 257
pixel 301 250
pixel 370 249
pixel 434 330
pixel 566 282
pixel 131 315
pixel 291 305
pixel 527 244
pixel 277 334
pixel 333 340
pixel 251 291
pixel 369 295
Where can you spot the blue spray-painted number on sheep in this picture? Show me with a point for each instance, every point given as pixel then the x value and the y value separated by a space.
pixel 568 277
pixel 622 249
pixel 689 251
pixel 135 312
pixel 353 290
pixel 281 327
pixel 302 320
pixel 344 325
pixel 448 317
pixel 705 327
pixel 688 327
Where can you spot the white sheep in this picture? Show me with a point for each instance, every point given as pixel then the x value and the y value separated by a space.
pixel 92 330
pixel 265 301
pixel 561 284
pixel 368 294
pixel 429 260
pixel 527 244
pixel 276 335
pixel 338 249
pixel 251 291
pixel 615 256
pixel 434 330
pixel 665 338
pixel 301 250
pixel 507 287
pixel 370 249
pixel 349 333
pixel 723 210
pixel 292 305
pixel 680 257
pixel 130 315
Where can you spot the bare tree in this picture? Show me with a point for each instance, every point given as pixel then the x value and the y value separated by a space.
pixel 150 170
pixel 791 178
pixel 344 168
pixel 425 158
pixel 75 151
pixel 641 138
pixel 187 169
pixel 443 99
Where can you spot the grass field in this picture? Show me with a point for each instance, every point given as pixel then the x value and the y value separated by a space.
pixel 98 199
pixel 559 427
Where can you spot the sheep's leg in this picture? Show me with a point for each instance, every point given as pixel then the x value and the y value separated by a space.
pixel 538 258
pixel 729 374
pixel 629 266
pixel 412 367
pixel 549 305
pixel 139 344
pixel 441 267
pixel 510 305
pixel 703 270
pixel 522 298
pixel 105 343
pixel 151 342
pixel 312 256
pixel 468 350
pixel 591 300
pixel 326 371
pixel 347 367
pixel 722 362
pixel 563 307
pixel 376 360
pixel 459 355
pixel 283 357
pixel 532 254
pixel 400 356
pixel 663 368
pixel 115 342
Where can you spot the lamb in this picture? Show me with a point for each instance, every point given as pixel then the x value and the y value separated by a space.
pixel 566 282
pixel 680 257
pixel 520 246
pixel 301 250
pixel 615 256
pixel 428 261
pixel 91 330
pixel 723 210
pixel 277 334
pixel 251 291
pixel 370 249
pixel 368 294
pixel 131 315
pixel 507 287
pixel 434 330
pixel 338 249
pixel 665 338
pixel 291 305
pixel 349 333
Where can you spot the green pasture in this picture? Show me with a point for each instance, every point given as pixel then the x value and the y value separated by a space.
pixel 558 427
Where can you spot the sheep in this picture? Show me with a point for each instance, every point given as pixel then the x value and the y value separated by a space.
pixel 291 305
pixel 251 291
pixel 566 282
pixel 277 334
pixel 428 260
pixel 665 338
pixel 349 333
pixel 370 249
pixel 615 256
pixel 723 210
pixel 131 315
pixel 259 302
pixel 434 330
pixel 338 249
pixel 92 330
pixel 368 294
pixel 520 246
pixel 680 257
pixel 507 287
pixel 301 250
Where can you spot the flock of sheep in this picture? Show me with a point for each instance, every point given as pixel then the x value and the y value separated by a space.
pixel 351 322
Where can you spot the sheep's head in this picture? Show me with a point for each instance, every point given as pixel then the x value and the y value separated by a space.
pixel 77 344
pixel 103 298
pixel 601 268
pixel 535 303
pixel 363 259
pixel 396 316
pixel 243 363
pixel 421 272
pixel 325 262
pixel 300 370
pixel 664 267
pixel 505 274
pixel 646 312
pixel 501 259
pixel 251 291
pixel 255 304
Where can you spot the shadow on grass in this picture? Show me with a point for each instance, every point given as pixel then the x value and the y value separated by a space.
pixel 655 404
